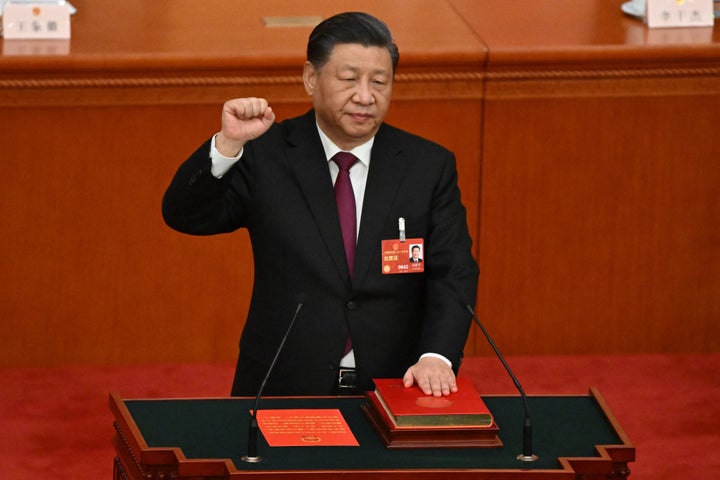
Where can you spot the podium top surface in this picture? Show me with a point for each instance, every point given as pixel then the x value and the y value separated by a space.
pixel 564 426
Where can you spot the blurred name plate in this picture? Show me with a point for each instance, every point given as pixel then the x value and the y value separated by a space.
pixel 24 20
pixel 679 13
pixel 36 48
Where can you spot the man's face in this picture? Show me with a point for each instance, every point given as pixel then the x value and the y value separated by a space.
pixel 351 92
pixel 415 253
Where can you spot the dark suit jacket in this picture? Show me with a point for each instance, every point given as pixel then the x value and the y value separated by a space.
pixel 282 192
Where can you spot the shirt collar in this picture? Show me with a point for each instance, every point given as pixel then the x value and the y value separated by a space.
pixel 362 152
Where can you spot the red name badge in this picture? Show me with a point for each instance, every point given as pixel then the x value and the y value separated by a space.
pixel 403 257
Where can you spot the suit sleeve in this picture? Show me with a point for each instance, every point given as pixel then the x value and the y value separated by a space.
pixel 198 203
pixel 451 270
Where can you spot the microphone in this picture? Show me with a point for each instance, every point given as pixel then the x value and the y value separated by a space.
pixel 252 456
pixel 526 455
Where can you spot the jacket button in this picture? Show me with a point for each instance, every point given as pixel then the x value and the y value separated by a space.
pixel 351 305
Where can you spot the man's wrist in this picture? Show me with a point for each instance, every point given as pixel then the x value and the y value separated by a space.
pixel 220 163
pixel 227 147
pixel 436 355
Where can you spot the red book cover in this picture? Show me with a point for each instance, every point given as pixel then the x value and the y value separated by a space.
pixel 411 407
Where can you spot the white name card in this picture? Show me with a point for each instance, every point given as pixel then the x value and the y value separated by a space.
pixel 679 13
pixel 36 20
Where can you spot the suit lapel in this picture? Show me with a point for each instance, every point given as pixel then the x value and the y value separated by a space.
pixel 388 168
pixel 307 158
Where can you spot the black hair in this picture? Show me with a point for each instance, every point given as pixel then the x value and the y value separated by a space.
pixel 347 28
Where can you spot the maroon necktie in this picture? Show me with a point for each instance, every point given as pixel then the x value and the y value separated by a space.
pixel 345 200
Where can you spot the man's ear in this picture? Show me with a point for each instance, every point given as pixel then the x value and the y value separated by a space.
pixel 309 77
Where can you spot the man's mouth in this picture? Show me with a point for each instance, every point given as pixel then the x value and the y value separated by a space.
pixel 360 116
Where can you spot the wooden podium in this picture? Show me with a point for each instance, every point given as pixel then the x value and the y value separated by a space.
pixel 576 437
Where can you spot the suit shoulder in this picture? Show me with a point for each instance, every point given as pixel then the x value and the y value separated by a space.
pixel 413 141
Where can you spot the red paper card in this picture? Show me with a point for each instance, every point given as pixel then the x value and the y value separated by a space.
pixel 305 428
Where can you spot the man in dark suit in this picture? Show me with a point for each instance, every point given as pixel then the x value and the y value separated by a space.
pixel 276 180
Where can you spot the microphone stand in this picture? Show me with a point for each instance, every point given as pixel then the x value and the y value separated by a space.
pixel 252 456
pixel 527 449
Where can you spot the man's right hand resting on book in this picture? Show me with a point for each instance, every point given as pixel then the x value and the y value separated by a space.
pixel 433 375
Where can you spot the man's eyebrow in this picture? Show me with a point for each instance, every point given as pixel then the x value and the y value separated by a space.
pixel 352 68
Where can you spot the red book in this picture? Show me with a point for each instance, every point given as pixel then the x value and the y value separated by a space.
pixel 410 407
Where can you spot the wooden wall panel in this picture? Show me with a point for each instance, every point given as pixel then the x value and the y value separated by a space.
pixel 98 277
pixel 601 235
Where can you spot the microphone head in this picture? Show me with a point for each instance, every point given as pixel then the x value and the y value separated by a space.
pixel 301 297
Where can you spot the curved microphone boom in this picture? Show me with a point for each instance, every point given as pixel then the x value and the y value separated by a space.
pixel 252 456
pixel 527 450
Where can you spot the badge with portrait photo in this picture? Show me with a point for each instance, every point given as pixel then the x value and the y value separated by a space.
pixel 403 257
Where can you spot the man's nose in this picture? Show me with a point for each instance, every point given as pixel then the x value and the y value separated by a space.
pixel 364 94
